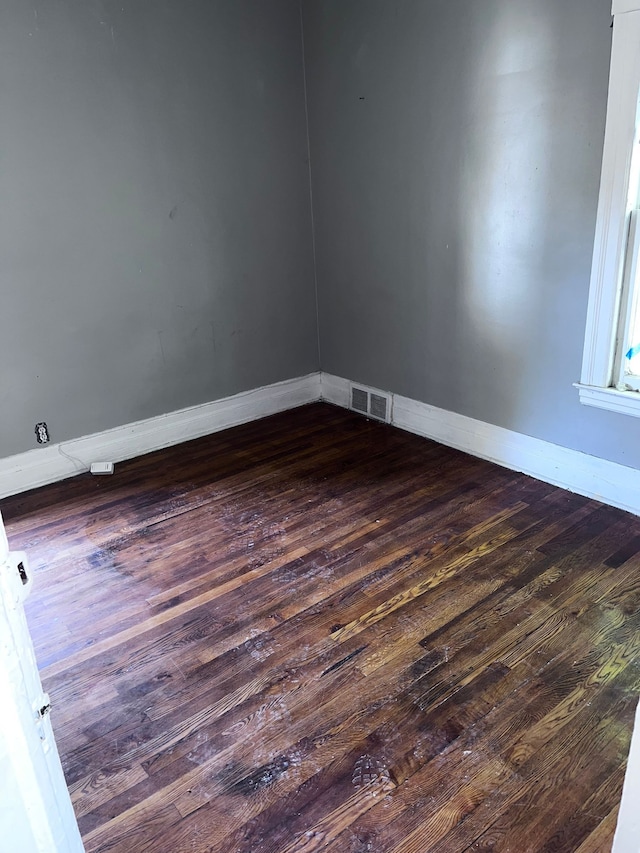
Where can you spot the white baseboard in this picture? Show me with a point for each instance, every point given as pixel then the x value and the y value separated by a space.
pixel 587 475
pixel 58 461
pixel 605 481
pixel 335 390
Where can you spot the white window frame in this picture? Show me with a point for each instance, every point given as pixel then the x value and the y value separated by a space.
pixel 599 366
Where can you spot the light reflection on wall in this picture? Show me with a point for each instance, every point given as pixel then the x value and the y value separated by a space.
pixel 506 178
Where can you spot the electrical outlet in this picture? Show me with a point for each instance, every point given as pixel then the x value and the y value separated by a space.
pixel 42 433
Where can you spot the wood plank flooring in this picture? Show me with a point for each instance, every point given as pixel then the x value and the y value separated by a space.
pixel 319 633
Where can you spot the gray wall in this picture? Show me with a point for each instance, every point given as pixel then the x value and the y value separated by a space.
pixel 155 237
pixel 155 234
pixel 456 149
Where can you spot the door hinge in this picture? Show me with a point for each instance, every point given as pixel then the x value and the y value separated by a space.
pixel 43 706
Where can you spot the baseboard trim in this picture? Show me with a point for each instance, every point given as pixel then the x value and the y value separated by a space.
pixel 605 481
pixel 58 461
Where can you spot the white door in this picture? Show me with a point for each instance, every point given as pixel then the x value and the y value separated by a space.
pixel 36 815
pixel 627 839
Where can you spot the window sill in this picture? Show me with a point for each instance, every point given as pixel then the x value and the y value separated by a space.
pixel 623 402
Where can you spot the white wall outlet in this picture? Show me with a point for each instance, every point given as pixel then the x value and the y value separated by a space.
pixel 102 467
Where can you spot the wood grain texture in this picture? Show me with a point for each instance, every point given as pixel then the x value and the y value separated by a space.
pixel 318 633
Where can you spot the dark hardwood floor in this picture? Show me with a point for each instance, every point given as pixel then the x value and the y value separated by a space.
pixel 318 633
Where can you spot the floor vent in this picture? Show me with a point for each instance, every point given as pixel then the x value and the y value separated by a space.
pixel 360 400
pixel 378 406
pixel 371 403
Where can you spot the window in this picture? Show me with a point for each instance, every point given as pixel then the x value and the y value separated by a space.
pixel 611 363
pixel 627 360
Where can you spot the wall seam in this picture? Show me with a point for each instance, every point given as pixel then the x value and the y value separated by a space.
pixel 312 217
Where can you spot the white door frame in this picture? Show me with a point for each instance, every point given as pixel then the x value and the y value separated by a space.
pixel 36 814
pixel 627 837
